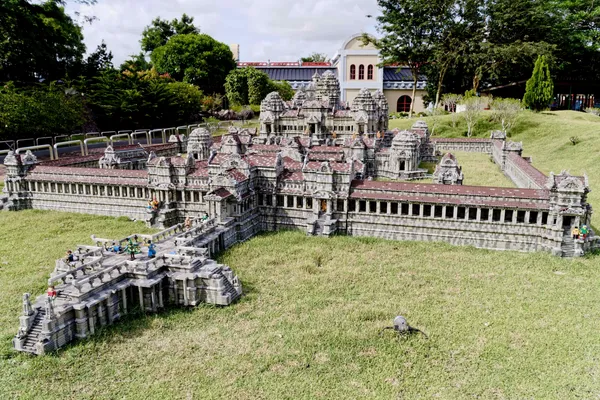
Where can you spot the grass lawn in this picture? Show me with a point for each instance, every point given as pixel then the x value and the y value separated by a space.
pixel 500 324
pixel 480 170
pixel 254 123
pixel 545 138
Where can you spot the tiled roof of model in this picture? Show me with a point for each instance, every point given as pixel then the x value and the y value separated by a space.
pixel 450 140
pixel 535 174
pixel 431 188
pixel 237 175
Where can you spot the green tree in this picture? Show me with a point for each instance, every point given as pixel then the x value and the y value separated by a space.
pixel 195 58
pixel 315 57
pixel 136 62
pixel 98 61
pixel 38 41
pixel 236 86
pixel 189 100
pixel 539 90
pixel 409 31
pixel 160 31
pixel 284 89
pixel 506 112
pixel 39 111
pixel 249 86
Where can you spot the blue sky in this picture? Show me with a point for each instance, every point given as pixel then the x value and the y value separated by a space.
pixel 279 30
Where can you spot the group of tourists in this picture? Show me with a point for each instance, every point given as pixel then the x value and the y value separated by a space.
pixel 579 233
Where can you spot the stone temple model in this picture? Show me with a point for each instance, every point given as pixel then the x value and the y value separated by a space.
pixel 101 286
pixel 314 165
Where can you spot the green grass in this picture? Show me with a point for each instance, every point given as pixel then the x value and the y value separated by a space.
pixel 545 138
pixel 480 170
pixel 254 123
pixel 501 324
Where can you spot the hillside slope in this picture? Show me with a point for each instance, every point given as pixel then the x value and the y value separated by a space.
pixel 546 138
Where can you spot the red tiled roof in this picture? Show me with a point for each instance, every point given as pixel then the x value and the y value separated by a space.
pixel 292 176
pixel 535 174
pixel 460 140
pixel 266 147
pixel 201 169
pixel 533 194
pixel 237 175
pixel 291 164
pixel 116 173
pixel 222 193
pixel 257 160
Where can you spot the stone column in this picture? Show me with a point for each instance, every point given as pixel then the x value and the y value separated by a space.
pixel 124 295
pixel 185 292
pixel 514 216
pixel 141 293
pixel 502 213
pixel 160 295
pixel 109 309
pixel 153 298
pixel 91 319
pixel 455 216
pixel 478 214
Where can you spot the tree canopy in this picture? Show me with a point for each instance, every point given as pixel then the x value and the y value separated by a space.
pixel 160 31
pixel 195 58
pixel 474 44
pixel 316 57
pixel 39 41
pixel 249 86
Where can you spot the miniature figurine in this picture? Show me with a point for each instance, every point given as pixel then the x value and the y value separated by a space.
pixel 69 257
pixel 153 204
pixel 204 217
pixel 575 232
pixel 51 292
pixel 187 224
pixel 132 249
pixel 584 231
pixel 116 248
pixel 151 249
pixel 27 310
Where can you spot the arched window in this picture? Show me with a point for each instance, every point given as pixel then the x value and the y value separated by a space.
pixel 403 104
pixel 353 71
pixel 361 72
pixel 370 72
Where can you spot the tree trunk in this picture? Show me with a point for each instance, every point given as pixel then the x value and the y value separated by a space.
pixel 414 92
pixel 439 85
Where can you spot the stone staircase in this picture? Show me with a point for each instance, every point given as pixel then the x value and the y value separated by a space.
pixel 229 288
pixel 568 245
pixel 34 333
pixel 318 228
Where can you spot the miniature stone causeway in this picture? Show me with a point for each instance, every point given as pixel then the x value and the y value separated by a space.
pixel 317 166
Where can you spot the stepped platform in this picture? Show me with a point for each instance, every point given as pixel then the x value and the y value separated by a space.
pixel 100 286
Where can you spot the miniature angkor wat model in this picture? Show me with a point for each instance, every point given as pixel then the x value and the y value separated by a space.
pixel 315 166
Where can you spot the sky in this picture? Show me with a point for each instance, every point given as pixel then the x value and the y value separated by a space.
pixel 276 30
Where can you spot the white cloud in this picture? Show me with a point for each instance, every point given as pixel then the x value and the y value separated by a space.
pixel 265 29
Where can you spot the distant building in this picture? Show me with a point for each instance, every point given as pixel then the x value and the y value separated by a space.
pixel 355 67
pixel 235 49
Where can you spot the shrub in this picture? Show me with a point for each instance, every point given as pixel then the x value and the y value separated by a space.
pixel 539 90
pixel 574 140
pixel 593 110
pixel 506 112
pixel 473 108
